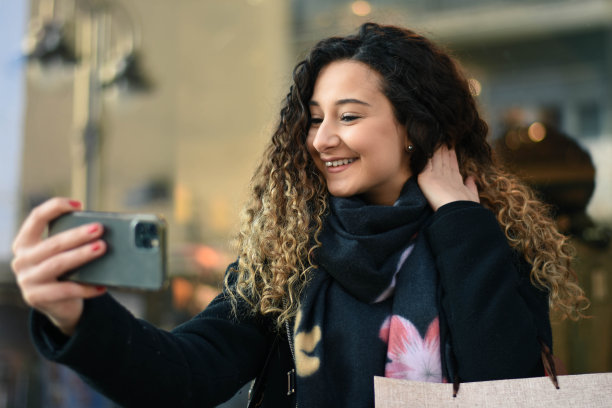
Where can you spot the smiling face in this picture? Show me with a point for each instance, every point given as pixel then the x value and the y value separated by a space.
pixel 354 137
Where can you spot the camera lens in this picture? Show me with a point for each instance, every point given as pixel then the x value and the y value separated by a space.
pixel 146 235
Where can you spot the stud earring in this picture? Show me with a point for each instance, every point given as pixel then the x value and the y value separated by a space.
pixel 410 148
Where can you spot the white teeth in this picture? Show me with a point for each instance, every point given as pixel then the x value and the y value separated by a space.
pixel 337 163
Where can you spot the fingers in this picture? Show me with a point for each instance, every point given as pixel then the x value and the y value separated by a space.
pixel 470 183
pixel 54 292
pixel 36 223
pixel 53 267
pixel 61 302
pixel 56 244
pixel 441 180
pixel 38 263
pixel 444 161
pixel 451 159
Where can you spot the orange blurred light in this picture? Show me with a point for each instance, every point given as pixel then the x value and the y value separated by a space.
pixel 203 295
pixel 361 8
pixel 536 132
pixel 182 291
pixel 207 257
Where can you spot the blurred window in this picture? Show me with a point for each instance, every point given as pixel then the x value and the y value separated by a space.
pixel 589 119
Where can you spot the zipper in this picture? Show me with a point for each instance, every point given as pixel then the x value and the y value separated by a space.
pixel 290 339
pixel 290 374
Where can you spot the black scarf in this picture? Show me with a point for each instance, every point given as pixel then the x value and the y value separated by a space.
pixel 371 307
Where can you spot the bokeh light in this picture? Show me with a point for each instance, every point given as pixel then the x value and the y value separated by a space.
pixel 361 8
pixel 536 132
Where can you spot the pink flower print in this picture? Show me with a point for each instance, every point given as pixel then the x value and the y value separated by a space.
pixel 410 356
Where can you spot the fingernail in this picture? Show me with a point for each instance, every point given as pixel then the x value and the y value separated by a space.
pixel 96 246
pixel 100 288
pixel 74 203
pixel 93 228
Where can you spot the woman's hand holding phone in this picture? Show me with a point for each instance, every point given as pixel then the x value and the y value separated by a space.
pixel 38 263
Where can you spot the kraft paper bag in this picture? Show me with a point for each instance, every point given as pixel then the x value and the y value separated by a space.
pixel 584 390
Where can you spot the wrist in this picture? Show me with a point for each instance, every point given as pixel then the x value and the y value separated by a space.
pixel 66 326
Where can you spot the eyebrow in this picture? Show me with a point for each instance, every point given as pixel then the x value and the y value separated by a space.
pixel 342 102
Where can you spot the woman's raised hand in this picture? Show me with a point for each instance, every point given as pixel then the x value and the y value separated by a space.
pixel 39 262
pixel 442 183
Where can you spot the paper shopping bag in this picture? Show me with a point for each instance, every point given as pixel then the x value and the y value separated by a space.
pixel 584 390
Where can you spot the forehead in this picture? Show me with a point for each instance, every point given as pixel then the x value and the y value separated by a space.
pixel 347 79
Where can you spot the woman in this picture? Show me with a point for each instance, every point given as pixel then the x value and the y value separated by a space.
pixel 380 239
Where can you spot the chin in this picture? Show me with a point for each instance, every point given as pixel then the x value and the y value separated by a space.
pixel 341 193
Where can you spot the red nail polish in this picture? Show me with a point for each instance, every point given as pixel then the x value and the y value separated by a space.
pixel 74 203
pixel 93 228
pixel 100 288
pixel 96 246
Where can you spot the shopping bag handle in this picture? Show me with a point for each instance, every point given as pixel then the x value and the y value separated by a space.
pixel 549 364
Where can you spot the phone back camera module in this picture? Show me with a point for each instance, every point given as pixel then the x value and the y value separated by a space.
pixel 146 235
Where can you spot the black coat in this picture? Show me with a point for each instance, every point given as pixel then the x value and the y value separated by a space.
pixel 492 318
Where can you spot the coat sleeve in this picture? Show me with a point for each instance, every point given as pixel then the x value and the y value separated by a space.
pixel 201 363
pixel 495 315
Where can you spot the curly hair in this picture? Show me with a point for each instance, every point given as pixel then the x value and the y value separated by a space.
pixel 431 97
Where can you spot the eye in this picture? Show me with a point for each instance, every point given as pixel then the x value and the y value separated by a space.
pixel 315 121
pixel 348 117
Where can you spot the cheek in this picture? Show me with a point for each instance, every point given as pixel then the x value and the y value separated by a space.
pixel 310 147
pixel 384 152
pixel 314 155
pixel 310 139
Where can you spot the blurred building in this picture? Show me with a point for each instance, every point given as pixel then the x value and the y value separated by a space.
pixel 185 146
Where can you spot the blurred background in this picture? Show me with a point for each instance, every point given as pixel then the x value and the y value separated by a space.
pixel 165 106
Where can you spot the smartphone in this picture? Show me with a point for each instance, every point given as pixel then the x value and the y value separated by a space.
pixel 136 249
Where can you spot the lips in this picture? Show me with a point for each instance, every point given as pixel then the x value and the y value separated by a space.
pixel 337 163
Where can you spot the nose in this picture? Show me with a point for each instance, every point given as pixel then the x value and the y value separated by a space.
pixel 325 137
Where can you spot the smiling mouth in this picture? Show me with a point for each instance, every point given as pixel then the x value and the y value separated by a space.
pixel 337 163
